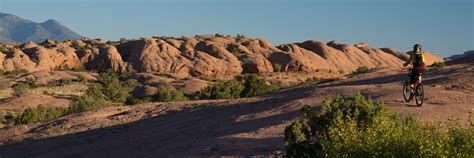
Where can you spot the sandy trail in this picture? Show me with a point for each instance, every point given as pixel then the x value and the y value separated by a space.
pixel 250 126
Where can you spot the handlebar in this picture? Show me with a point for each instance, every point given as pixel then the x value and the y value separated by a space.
pixel 406 69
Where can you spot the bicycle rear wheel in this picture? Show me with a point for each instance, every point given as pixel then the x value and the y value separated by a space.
pixel 419 95
pixel 407 95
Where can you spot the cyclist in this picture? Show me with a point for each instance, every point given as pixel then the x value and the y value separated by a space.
pixel 417 58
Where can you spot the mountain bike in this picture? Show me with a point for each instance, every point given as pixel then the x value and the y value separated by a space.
pixel 417 91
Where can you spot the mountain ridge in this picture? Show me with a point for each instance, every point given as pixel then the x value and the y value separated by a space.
pixel 16 29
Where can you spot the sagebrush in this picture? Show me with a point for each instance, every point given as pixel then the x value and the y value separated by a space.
pixel 357 127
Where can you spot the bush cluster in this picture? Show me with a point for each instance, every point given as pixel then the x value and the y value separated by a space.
pixel 221 90
pixel 41 113
pixel 248 86
pixel 20 88
pixel 108 90
pixel 357 127
pixel 361 69
pixel 94 98
pixel 168 94
pixel 60 82
pixel 165 93
pixel 438 64
pixel 14 72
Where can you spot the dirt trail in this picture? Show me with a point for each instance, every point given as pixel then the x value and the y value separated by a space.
pixel 251 126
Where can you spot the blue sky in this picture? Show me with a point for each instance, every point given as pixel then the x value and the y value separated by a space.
pixel 445 27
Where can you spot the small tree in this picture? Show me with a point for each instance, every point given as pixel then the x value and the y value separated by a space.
pixel 255 86
pixel 20 88
pixel 109 90
pixel 113 88
pixel 277 67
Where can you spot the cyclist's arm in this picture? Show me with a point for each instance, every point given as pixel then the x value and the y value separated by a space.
pixel 410 59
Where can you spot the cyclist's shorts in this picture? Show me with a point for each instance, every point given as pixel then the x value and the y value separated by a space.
pixel 415 73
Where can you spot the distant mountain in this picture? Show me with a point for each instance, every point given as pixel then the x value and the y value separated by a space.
pixel 458 56
pixel 467 57
pixel 16 29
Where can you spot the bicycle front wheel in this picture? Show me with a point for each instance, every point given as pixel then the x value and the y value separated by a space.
pixel 406 92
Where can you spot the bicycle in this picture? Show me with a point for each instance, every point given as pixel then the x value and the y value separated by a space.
pixel 409 93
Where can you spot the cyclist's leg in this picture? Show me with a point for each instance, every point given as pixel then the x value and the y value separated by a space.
pixel 413 77
pixel 420 73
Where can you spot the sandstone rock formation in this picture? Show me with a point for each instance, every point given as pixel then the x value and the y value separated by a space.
pixel 204 55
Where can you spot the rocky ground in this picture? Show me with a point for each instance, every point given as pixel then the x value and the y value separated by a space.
pixel 248 126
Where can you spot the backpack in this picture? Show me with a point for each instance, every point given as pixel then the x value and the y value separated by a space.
pixel 418 62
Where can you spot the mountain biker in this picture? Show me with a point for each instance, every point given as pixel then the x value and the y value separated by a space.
pixel 417 58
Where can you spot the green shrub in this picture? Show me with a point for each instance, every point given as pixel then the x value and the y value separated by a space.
pixel 78 69
pixel 31 82
pixel 60 82
pixel 16 72
pixel 7 120
pixel 92 99
pixel 254 85
pixel 341 71
pixel 218 35
pixel 41 113
pixel 237 52
pixel 313 79
pixel 240 36
pixel 361 69
pixel 221 90
pixel 108 91
pixel 75 69
pixel 133 101
pixel 80 48
pixel 168 94
pixel 357 127
pixel 20 88
pixel 251 86
pixel 111 42
pixel 81 78
pixel 438 64
pixel 114 89
pixel 277 67
pixel 22 71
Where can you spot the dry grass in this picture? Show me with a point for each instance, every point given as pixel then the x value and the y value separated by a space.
pixel 291 78
pixel 74 89
pixel 6 93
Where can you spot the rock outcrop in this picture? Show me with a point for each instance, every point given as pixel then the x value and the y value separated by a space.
pixel 204 55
